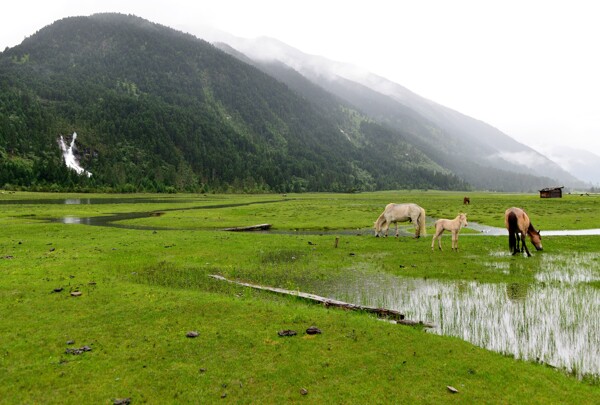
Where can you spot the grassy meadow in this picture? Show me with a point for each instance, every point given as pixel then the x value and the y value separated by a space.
pixel 145 284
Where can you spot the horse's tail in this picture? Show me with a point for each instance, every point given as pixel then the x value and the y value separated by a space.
pixel 421 221
pixel 513 227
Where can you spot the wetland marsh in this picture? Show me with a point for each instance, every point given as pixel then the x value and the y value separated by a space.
pixel 540 310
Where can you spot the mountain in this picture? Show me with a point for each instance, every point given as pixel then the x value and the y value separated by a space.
pixel 582 163
pixel 158 110
pixel 476 151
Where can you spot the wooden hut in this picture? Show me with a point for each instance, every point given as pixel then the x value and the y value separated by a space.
pixel 551 192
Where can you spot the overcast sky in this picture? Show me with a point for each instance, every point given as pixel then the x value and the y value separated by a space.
pixel 531 68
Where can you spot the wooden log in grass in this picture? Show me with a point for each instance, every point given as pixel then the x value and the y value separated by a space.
pixel 328 302
pixel 259 227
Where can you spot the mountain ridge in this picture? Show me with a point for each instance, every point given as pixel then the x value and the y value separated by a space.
pixel 157 109
pixel 464 130
pixel 499 151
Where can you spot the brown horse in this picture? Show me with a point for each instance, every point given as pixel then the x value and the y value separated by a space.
pixel 466 201
pixel 519 226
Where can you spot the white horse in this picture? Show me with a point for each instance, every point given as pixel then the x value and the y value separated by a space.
pixel 453 225
pixel 395 213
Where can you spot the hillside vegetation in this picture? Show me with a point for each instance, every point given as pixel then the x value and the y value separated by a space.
pixel 159 110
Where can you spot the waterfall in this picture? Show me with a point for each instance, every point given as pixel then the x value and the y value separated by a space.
pixel 69 156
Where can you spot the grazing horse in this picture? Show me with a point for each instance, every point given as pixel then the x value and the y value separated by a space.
pixel 453 225
pixel 395 213
pixel 519 226
pixel 466 201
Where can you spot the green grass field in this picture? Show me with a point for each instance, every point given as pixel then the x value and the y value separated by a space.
pixel 142 290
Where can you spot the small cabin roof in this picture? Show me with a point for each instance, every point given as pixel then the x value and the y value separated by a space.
pixel 551 188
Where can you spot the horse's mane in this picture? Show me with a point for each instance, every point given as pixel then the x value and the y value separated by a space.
pixel 531 229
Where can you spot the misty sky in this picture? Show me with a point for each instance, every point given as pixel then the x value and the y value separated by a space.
pixel 529 67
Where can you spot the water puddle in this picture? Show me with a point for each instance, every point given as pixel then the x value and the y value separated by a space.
pixel 94 201
pixel 553 321
pixel 113 220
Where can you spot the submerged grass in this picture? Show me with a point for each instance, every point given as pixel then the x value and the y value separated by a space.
pixel 142 290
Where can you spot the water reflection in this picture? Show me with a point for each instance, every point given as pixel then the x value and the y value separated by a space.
pixel 76 220
pixel 112 220
pixel 572 269
pixel 77 201
pixel 554 323
pixel 95 201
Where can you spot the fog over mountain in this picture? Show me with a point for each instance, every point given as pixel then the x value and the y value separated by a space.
pixel 464 143
pixel 583 164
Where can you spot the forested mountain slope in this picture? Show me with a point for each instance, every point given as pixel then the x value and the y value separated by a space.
pixel 157 110
pixel 476 151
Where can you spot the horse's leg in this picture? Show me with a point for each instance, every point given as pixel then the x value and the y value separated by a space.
pixel 415 222
pixel 386 227
pixel 455 240
pixel 520 243
pixel 517 243
pixel 524 246
pixel 513 235
pixel 437 235
pixel 397 234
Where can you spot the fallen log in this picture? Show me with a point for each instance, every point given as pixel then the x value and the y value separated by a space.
pixel 259 227
pixel 397 316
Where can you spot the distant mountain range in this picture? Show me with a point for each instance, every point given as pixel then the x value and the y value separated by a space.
pixel 582 164
pixel 159 110
pixel 469 147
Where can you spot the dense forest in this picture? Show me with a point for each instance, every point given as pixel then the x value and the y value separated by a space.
pixel 159 110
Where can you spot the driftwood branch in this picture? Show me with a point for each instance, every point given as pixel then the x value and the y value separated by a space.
pixel 397 316
pixel 259 227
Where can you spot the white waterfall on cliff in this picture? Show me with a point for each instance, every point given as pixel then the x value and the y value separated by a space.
pixel 69 156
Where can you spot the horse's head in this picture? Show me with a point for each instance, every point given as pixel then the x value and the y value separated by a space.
pixel 463 219
pixel 536 239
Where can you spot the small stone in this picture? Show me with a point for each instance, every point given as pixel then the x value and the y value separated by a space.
pixel 78 351
pixel 70 342
pixel 313 330
pixel 57 290
pixel 303 391
pixel 452 389
pixel 287 332
pixel 121 401
pixel 202 370
pixel 192 334
pixel 76 293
